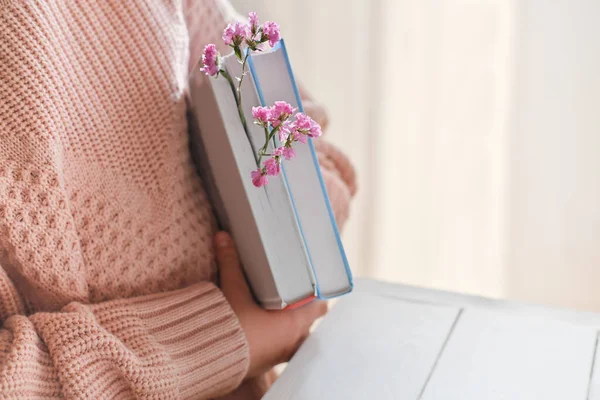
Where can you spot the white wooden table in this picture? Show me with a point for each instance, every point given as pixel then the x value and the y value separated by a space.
pixel 387 341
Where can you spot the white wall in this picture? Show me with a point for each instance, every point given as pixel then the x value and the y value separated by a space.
pixel 440 205
pixel 555 155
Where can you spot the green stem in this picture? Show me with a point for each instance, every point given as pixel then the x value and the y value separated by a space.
pixel 238 100
pixel 261 152
pixel 239 88
pixel 269 136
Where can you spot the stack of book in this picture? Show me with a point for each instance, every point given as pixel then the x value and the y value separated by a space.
pixel 285 232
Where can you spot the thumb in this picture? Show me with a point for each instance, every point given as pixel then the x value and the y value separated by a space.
pixel 233 282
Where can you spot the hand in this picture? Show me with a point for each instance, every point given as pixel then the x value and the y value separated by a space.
pixel 273 336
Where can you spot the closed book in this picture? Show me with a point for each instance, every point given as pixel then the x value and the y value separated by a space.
pixel 285 232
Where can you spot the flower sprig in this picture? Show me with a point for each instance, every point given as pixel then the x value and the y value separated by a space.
pixel 281 118
pixel 290 127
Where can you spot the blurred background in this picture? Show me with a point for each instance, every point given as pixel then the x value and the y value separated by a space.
pixel 474 126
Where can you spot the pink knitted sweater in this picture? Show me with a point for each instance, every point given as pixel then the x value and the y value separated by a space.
pixel 106 266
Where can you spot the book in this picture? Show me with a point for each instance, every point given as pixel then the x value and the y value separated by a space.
pixel 285 232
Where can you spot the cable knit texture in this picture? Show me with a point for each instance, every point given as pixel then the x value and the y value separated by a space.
pixel 106 263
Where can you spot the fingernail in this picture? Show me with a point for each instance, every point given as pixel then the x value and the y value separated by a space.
pixel 222 239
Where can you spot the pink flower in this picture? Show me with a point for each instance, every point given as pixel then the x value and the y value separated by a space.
pixel 271 33
pixel 300 136
pixel 306 126
pixel 288 152
pixel 303 121
pixel 278 152
pixel 262 114
pixel 259 177
pixel 284 131
pixel 253 20
pixel 235 33
pixel 253 38
pixel 315 130
pixel 272 166
pixel 282 110
pixel 210 60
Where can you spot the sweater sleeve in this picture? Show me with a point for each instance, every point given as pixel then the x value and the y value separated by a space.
pixel 175 344
pixel 61 85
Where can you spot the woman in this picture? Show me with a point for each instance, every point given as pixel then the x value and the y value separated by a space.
pixel 107 264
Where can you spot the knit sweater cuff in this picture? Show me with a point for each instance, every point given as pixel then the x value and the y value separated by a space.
pixel 200 333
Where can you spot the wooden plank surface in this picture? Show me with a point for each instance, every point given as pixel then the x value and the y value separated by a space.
pixel 370 342
pixel 387 341
pixel 493 355
pixel 594 388
pixel 414 293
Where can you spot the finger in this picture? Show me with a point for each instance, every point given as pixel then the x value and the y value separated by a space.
pixel 301 341
pixel 233 282
pixel 310 312
pixel 287 356
pixel 316 309
pixel 301 338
